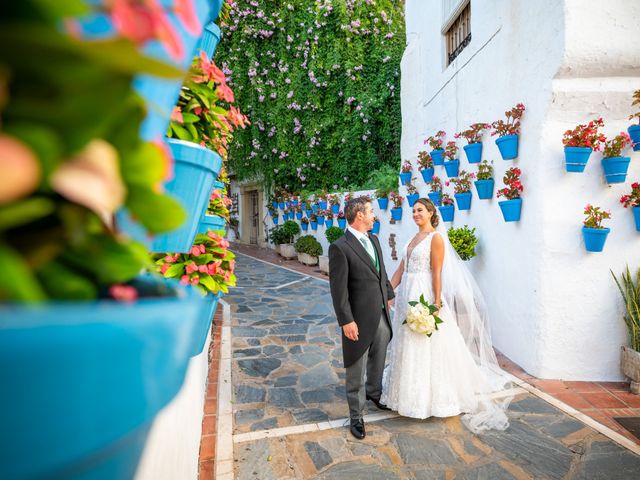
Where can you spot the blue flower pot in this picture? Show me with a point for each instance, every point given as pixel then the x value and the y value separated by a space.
pixel 376 228
pixel 595 238
pixel 447 212
pixel 576 158
pixel 106 369
pixel 427 174
pixel 342 223
pixel 511 209
pixel 634 133
pixel 412 198
pixel 323 204
pixel 210 39
pixel 275 220
pixel 435 197
pixel 636 217
pixel 615 169
pixel 218 185
pixel 508 146
pixel 212 222
pixel 463 200
pixel 405 177
pixel 309 213
pixel 281 205
pixel 203 326
pixel 303 206
pixel 328 223
pixel 335 208
pixel 484 188
pixel 320 220
pixel 274 205
pixel 314 225
pixel 299 215
pixel 195 169
pixel 452 167
pixel 383 203
pixel 436 156
pixel 474 152
pixel 304 226
pixel 292 215
pixel 294 202
pixel 396 213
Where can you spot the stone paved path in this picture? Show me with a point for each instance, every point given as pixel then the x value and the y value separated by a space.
pixel 287 376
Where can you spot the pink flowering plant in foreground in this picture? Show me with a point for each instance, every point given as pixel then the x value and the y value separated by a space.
pixel 209 266
pixel 595 216
pixel 435 184
pixel 514 186
pixel 396 199
pixel 450 151
pixel 631 199
pixel 406 167
pixel 424 160
pixel 474 133
pixel 510 126
pixel 436 141
pixel 446 200
pixel 586 136
pixel 615 146
pixel 462 183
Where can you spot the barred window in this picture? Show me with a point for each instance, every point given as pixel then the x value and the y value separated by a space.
pixel 458 35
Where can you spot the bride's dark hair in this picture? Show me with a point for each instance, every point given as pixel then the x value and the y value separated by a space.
pixel 428 204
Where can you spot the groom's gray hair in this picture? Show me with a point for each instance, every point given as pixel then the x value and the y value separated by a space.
pixel 355 205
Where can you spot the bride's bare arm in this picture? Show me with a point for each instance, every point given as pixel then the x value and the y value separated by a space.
pixel 397 276
pixel 437 257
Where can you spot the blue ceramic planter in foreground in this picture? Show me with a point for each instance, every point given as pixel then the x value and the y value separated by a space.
pixel 636 217
pixel 485 188
pixel 203 326
pixel 105 369
pixel 511 209
pixel 427 174
pixel 474 152
pixel 210 39
pixel 615 169
pixel 508 146
pixel 435 197
pixel 436 156
pixel 342 223
pixel 383 203
pixel 412 199
pixel 463 200
pixel 376 228
pixel 447 212
pixel 405 177
pixel 595 238
pixel 634 133
pixel 452 168
pixel 213 222
pixel 396 213
pixel 576 158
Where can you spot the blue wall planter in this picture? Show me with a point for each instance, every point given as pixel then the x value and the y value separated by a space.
pixel 304 226
pixel 376 228
pixel 107 369
pixel 511 209
pixel 214 222
pixel 452 168
pixel 636 217
pixel 274 219
pixel 436 156
pixel 299 215
pixel 405 177
pixel 576 158
pixel 210 39
pixel 335 208
pixel 634 133
pixel 396 214
pixel 595 238
pixel 474 152
pixel 615 169
pixel 412 199
pixel 323 204
pixel 309 213
pixel 463 200
pixel 484 188
pixel 435 197
pixel 508 146
pixel 218 185
pixel 203 327
pixel 281 205
pixel 447 212
pixel 320 220
pixel 342 223
pixel 383 203
pixel 328 223
pixel 274 205
pixel 195 169
pixel 314 225
pixel 427 174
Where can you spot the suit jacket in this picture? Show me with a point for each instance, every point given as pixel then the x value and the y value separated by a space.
pixel 359 292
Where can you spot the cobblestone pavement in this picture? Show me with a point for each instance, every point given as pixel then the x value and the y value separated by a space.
pixel 289 406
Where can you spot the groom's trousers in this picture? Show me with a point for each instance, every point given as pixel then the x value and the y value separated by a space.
pixel 370 364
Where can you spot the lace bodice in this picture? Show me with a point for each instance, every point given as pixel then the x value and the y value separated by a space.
pixel 418 260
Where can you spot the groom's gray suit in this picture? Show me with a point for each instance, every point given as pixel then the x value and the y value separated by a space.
pixel 360 293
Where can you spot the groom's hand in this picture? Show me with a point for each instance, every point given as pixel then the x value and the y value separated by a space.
pixel 350 331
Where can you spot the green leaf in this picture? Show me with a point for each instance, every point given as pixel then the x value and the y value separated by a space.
pixel 208 282
pixel 158 213
pixel 174 270
pixel 17 282
pixel 181 132
pixel 422 300
pixel 25 211
pixel 144 166
pixel 189 117
pixel 63 283
pixel 413 304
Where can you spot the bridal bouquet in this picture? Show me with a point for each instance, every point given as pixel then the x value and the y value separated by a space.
pixel 421 318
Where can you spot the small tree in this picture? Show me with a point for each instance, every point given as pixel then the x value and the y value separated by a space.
pixel 464 241
pixel 290 230
pixel 333 234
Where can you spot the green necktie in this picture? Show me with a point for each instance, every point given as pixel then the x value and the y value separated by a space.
pixel 368 246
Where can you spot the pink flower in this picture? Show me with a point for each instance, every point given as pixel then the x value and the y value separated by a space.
pixel 176 115
pixel 123 293
pixel 169 259
pixel 164 268
pixel 202 269
pixel 184 280
pixel 195 250
pixel 191 268
pixel 195 280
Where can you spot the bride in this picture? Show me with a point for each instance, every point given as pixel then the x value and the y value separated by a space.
pixel 455 371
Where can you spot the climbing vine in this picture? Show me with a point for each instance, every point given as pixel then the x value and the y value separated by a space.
pixel 319 80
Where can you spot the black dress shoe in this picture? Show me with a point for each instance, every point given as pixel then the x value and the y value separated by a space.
pixel 357 429
pixel 381 406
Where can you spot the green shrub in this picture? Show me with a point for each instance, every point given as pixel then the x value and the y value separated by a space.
pixel 277 235
pixel 333 233
pixel 291 229
pixel 309 245
pixel 463 241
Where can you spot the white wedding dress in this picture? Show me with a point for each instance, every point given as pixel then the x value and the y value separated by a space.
pixel 446 374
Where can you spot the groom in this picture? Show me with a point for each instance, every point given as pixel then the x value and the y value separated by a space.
pixel 361 295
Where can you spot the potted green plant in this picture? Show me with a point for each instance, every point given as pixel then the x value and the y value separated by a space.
pixel 405 172
pixel 309 249
pixel 630 358
pixel 464 241
pixel 435 187
pixel 332 234
pixel 462 189
pixel 412 194
pixel 425 165
pixel 313 221
pixel 334 201
pixel 594 234
pixel 615 166
pixel 632 200
pixel 289 230
pixel 218 212
pixel 447 209
pixel 485 182
pixel 634 130
pixel 451 161
pixel 508 132
pixel 342 221
pixel 473 136
pixel 436 142
pixel 512 206
pixel 396 200
pixel 580 142
pixel 304 224
pixel 375 229
pixel 75 310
